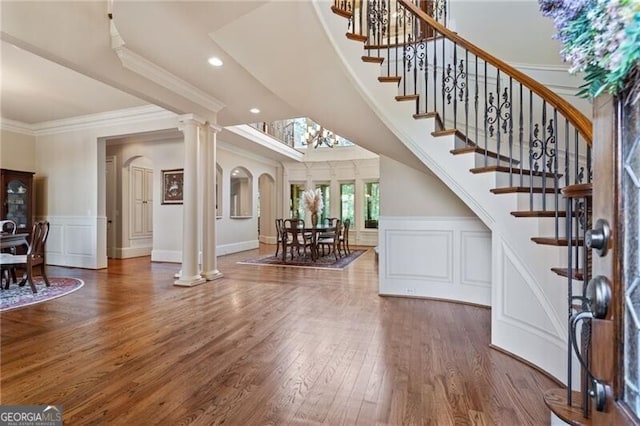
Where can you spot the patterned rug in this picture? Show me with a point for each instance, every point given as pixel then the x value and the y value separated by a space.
pixel 324 262
pixel 18 297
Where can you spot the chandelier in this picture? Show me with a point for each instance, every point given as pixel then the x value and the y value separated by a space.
pixel 316 136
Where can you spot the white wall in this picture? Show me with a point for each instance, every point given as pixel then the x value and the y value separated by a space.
pixel 431 243
pixel 238 234
pixel 17 151
pixel 405 191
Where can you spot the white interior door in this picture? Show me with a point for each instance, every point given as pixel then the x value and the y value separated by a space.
pixel 111 205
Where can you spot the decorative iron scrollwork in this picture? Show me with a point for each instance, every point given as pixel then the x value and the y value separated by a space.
pixel 454 79
pixel 414 54
pixel 543 148
pixel 378 18
pixel 501 110
pixel 439 10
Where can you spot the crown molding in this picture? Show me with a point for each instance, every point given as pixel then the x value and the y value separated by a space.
pixel 110 118
pixel 164 78
pixel 16 127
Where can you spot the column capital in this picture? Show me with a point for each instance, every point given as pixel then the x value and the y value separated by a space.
pixel 190 119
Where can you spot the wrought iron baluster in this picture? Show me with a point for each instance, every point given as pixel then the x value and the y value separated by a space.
pixel 567 148
pixel 556 190
pixel 532 135
pixel 466 98
pixel 486 114
pixel 510 126
pixel 475 103
pixel 521 136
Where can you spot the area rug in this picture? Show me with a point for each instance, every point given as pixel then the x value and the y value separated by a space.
pixel 324 262
pixel 18 297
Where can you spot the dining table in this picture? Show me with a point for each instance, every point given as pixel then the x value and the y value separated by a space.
pixel 314 232
pixel 8 240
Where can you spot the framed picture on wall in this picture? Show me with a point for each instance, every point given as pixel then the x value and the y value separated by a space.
pixel 172 184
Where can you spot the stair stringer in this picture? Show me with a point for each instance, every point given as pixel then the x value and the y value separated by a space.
pixel 528 301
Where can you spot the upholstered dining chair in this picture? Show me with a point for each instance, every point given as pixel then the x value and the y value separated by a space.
pixel 332 239
pixel 295 238
pixel 343 239
pixel 8 226
pixel 35 254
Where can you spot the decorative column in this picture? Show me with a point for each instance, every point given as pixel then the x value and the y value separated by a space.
pixel 189 275
pixel 209 256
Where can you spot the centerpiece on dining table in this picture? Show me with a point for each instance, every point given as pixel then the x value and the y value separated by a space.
pixel 312 201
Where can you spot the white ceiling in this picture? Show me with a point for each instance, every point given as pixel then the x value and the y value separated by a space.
pixel 35 90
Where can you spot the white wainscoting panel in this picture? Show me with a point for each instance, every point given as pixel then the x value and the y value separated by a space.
pixel 72 241
pixel 435 257
pixel 475 249
pixel 401 247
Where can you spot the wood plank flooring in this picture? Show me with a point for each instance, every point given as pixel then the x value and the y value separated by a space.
pixel 263 345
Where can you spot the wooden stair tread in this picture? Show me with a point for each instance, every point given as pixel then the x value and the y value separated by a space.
pixel 477 150
pixel 578 190
pixel 576 274
pixel 402 98
pixel 539 213
pixel 515 171
pixel 356 37
pixel 341 12
pixel 522 189
pixel 389 79
pixel 558 242
pixel 455 132
pixel 431 114
pixel 372 59
pixel 556 401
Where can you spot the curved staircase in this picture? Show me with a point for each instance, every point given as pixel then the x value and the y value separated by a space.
pixel 507 146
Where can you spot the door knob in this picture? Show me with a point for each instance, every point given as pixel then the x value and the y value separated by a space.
pixel 598 237
pixel 599 296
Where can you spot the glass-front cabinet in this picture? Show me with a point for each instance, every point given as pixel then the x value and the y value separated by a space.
pixel 17 198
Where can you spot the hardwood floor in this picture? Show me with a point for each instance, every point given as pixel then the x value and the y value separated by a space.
pixel 263 345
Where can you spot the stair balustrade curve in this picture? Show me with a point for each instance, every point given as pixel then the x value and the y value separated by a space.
pixel 536 142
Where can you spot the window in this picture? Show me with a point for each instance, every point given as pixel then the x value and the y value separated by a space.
pixel 296 208
pixel 326 200
pixel 347 202
pixel 371 204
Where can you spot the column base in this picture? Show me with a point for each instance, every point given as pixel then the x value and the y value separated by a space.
pixel 212 275
pixel 190 282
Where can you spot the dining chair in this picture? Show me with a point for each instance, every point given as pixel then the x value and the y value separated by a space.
pixel 8 226
pixel 35 254
pixel 331 242
pixel 280 235
pixel 295 238
pixel 343 239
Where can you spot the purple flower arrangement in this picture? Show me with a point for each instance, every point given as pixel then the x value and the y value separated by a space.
pixel 600 38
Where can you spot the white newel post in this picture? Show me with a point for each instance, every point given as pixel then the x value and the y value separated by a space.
pixel 189 275
pixel 209 255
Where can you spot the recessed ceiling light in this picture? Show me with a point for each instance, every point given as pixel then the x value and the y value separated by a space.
pixel 216 62
pixel 254 110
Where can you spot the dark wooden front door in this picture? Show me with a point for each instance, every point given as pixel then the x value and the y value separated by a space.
pixel 616 201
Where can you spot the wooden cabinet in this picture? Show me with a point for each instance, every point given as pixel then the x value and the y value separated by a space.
pixel 16 198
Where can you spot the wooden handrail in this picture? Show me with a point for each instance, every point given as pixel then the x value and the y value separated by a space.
pixel 575 117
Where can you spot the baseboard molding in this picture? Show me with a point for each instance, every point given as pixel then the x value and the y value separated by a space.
pixel 175 256
pixel 128 252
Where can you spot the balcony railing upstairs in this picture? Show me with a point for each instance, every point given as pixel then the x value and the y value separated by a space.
pixel 292 132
